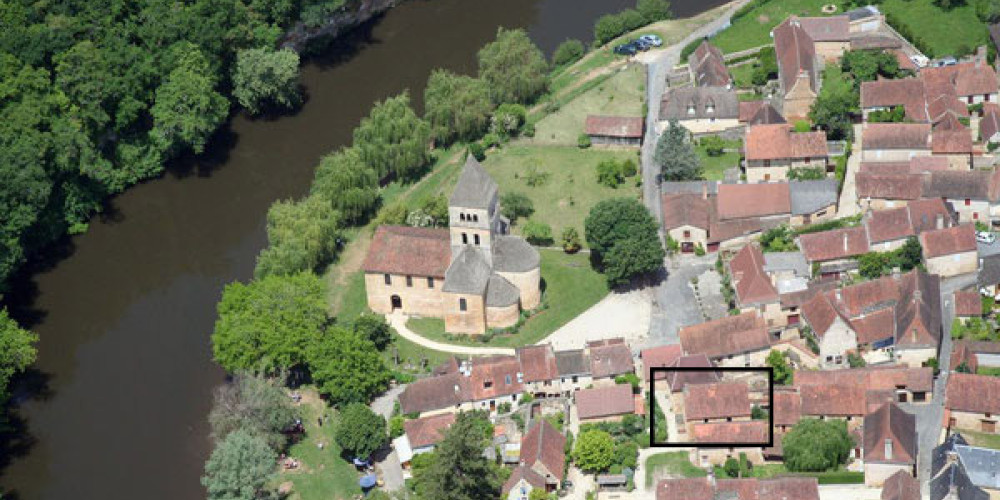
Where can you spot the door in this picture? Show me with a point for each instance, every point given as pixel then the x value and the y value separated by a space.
pixel 902 397
pixel 989 426
pixel 397 302
pixel 687 247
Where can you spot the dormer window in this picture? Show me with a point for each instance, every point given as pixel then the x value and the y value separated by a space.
pixel 691 109
pixel 710 106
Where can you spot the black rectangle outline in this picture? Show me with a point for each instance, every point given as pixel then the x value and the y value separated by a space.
pixel 770 414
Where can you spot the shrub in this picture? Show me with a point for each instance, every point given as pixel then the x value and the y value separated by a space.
pixel 714 145
pixel 690 48
pixel 654 10
pixel 515 205
pixel 528 130
pixel 802 126
pixel 537 233
pixel 699 250
pixel 491 140
pixel 477 151
pixel 583 141
pixel 567 52
pixel 507 120
pixel 806 173
pixel 571 240
pixel 609 173
pixel 535 178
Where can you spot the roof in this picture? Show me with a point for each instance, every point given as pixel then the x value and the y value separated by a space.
pixel 696 488
pixel 759 113
pixel 955 463
pixel 610 360
pixel 779 141
pixel 862 13
pixel 701 188
pixel 614 126
pixel 965 184
pixel 782 488
pixel 500 292
pixel 889 423
pixel 906 92
pixel 901 486
pixel 889 186
pixel 957 141
pixel 729 335
pixel 968 303
pixel 686 210
pixel 796 54
pixel 659 357
pixel 889 225
pixel 740 201
pixel 989 125
pixel 973 393
pixel 989 270
pixel 752 284
pixel 716 400
pixel 966 79
pixel 689 103
pixel 750 432
pixel 427 431
pixel 808 197
pixel 521 472
pixel 469 272
pixel 827 29
pixel 787 407
pixel 834 244
pixel 432 393
pixel 709 66
pixel 896 136
pixel 511 254
pixel 538 363
pixel 543 445
pixel 679 379
pixel 981 464
pixel 833 400
pixel 605 401
pixel 572 362
pixel 948 241
pixel 787 261
pixel 416 251
pixel 475 188
pixel 845 392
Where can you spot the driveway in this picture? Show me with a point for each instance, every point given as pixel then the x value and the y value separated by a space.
pixel 674 304
pixel 848 204
pixel 398 321
pixel 617 315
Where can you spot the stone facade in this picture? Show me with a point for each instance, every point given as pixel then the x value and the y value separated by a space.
pixel 421 297
pixel 833 346
pixel 978 422
pixel 777 170
pixel 953 265
pixel 877 473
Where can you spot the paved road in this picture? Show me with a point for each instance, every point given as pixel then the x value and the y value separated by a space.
pixel 674 303
pixel 848 204
pixel 398 321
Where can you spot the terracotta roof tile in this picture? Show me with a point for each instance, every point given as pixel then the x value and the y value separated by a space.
pixel 827 28
pixel 989 125
pixel 709 66
pixel 746 332
pixel 906 92
pixel 752 284
pixel 749 432
pixel 948 241
pixel 427 431
pixel 605 401
pixel 889 225
pixel 659 357
pixel 414 251
pixel 686 209
pixel 835 244
pixel 968 303
pixel 614 126
pixel 611 360
pixel 892 424
pixel 787 407
pixel 959 184
pixel 889 186
pixel 522 472
pixel 741 201
pixel 901 486
pixel 696 488
pixel 789 488
pixel 679 379
pixel 915 136
pixel 542 449
pixel 718 400
pixel 538 363
pixel 973 393
pixel 779 141
pixel 877 326
pixel 796 54
pixel 951 141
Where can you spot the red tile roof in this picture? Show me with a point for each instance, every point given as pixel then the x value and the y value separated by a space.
pixel 906 92
pixel 890 423
pixel 415 251
pixel 973 393
pixel 904 186
pixel 889 225
pixel 783 488
pixel 968 303
pixel 746 332
pixel 614 126
pixel 833 400
pixel 835 244
pixel 827 29
pixel 679 379
pixel 901 486
pixel 951 141
pixel 966 79
pixel 779 141
pixel 428 430
pixel 610 360
pixel 697 488
pixel 542 449
pixel 876 326
pixel 740 201
pixel 752 284
pixel 796 54
pixel 603 402
pixel 718 400
pixel 521 472
pixel 749 432
pixel 789 488
pixel 686 209
pixel 659 357
pixel 787 407
pixel 493 377
pixel 989 125
pixel 896 136
pixel 948 241
pixel 845 392
pixel 538 363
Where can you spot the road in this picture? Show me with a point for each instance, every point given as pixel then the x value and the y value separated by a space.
pixel 848 203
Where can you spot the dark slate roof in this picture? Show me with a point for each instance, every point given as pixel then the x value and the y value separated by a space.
pixel 955 475
pixel 989 270
pixel 500 292
pixel 475 188
pixel 573 362
pixel 939 457
pixel 468 273
pixel 861 13
pixel 809 196
pixel 787 261
pixel 512 254
pixel 675 102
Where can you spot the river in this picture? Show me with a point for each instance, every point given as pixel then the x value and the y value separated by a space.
pixel 119 396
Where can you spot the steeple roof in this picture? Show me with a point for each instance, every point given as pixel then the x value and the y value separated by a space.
pixel 475 188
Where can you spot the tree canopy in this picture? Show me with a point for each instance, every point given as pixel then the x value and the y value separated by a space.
pixel 513 68
pixel 346 367
pixel 348 184
pixel 375 328
pixel 593 450
pixel 816 445
pixel 782 371
pixel 361 431
pixel 240 467
pixel 393 140
pixel 675 155
pixel 567 52
pixel 457 469
pixel 623 234
pixel 265 77
pixel 17 351
pixel 457 107
pixel 301 236
pixel 255 404
pixel 187 109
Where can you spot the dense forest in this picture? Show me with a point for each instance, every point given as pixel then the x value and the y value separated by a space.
pixel 98 95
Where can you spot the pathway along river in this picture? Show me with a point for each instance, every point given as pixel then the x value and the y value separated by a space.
pixel 125 311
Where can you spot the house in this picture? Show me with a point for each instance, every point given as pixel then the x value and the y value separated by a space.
pixel 751 433
pixel 708 67
pixel 831 35
pixel 542 450
pixel 889 229
pixel 753 287
pixel 658 357
pixel 850 394
pixel 478 384
pixel 989 124
pixel 539 370
pixel 614 130
pixel 609 358
pixel 974 194
pixel 864 19
pixel 740 340
pixel 691 220
pixel 798 68
pixel 900 486
pixel 968 304
pixel 883 95
pixel 894 142
pixel 701 110
pixel 709 488
pixel 834 250
pixel 963 472
pixel 877 191
pixel 574 370
pixel 521 482
pixel 972 402
pixel 421 435
pixel 716 402
pixel 969 83
pixel 974 354
pixel 954 143
pixel 677 381
pixel 890 444
pixel 759 113
pixel 473 274
pixel 773 150
pixel 812 201
pixel 605 404
pixel 950 251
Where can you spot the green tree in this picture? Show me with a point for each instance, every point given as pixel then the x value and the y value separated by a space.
pixel 779 362
pixel 537 233
pixel 816 445
pixel 255 404
pixel 731 467
pixel 778 239
pixel 264 77
pixel 623 234
pixel 571 240
pixel 346 367
pixel 240 468
pixel 515 205
pixel 874 264
pixel 609 173
pixel 675 155
pixel 374 328
pixel 457 469
pixel 868 65
pixel 654 10
pixel 361 431
pixel 513 68
pixel 539 494
pixel 638 255
pixel 302 236
pixel 833 108
pixel 348 184
pixel 17 351
pixel 713 145
pixel 593 451
pixel 457 107
pixel 855 360
pixel 393 140
pixel 568 52
pixel 268 323
pixel 766 67
pixel 910 255
pixel 187 108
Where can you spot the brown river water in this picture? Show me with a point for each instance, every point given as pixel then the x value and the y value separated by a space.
pixel 116 406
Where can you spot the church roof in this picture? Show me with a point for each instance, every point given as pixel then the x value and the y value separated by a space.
pixel 475 188
pixel 512 254
pixel 500 292
pixel 469 272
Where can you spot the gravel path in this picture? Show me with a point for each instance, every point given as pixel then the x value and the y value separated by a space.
pixel 617 315
pixel 398 321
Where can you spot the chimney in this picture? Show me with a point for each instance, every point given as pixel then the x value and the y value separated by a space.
pixel 896 273
pixel 951 457
pixel 888 449
pixel 940 221
pixel 704 191
pixel 845 242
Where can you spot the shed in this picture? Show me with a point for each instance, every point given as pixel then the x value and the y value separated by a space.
pixel 614 130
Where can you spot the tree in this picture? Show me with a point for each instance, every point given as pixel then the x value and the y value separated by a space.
pixel 654 10
pixel 832 110
pixel 537 233
pixel 676 156
pixel 346 367
pixel 539 494
pixel 187 108
pixel 855 360
pixel 731 467
pixel 266 77
pixel 910 255
pixel 457 469
pixel 302 236
pixel 515 205
pixel 778 239
pixel 623 235
pixel 779 362
pixel 874 264
pixel 457 107
pixel 868 65
pixel 374 328
pixel 766 67
pixel 570 240
pixel 393 140
pixel 635 256
pixel 254 404
pixel 361 431
pixel 713 145
pixel 268 323
pixel 593 451
pixel 348 185
pixel 816 445
pixel 513 68
pixel 806 173
pixel 610 173
pixel 507 120
pixel 896 114
pixel 432 211
pixel 17 351
pixel 567 52
pixel 988 11
pixel 240 467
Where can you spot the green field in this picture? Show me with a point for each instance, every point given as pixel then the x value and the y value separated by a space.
pixel 946 32
pixel 754 28
pixel 714 166
pixel 742 75
pixel 570 286
pixel 982 440
pixel 571 189
pixel 675 464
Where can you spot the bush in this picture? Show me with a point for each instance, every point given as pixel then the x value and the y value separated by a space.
pixel 528 130
pixel 699 250
pixel 802 126
pixel 583 141
pixel 571 240
pixel 806 173
pixel 537 233
pixel 654 10
pixel 515 205
pixel 477 151
pixel 507 120
pixel 491 140
pixel 713 145
pixel 816 445
pixel 567 52
pixel 396 427
pixel 609 174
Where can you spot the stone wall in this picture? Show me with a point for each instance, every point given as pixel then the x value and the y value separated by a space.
pixel 876 474
pixel 472 320
pixel 529 285
pixel 953 265
pixel 418 299
pixel 891 155
pixel 502 317
pixel 971 421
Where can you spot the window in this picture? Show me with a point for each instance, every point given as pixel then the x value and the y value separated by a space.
pixel 829 359
pixel 975 215
pixel 430 282
pixel 807 160
pixel 690 109
pixel 476 239
pixel 475 218
pixel 767 163
pixel 388 279
pixel 506 380
pixel 821 213
pixel 968 202
pixel 462 305
pixel 465 239
pixel 461 217
pixel 409 281
pixel 574 379
pixel 487 384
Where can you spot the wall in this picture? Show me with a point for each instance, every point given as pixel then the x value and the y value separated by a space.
pixel 603 140
pixel 473 320
pixel 971 421
pixel 702 126
pixel 698 236
pixel 502 317
pixel 892 155
pixel 915 358
pixel 757 172
pixel 958 161
pixel 826 213
pixel 529 285
pixel 876 474
pixel 975 210
pixel 953 265
pixel 799 99
pixel 718 456
pixel 880 203
pixel 836 342
pixel 417 300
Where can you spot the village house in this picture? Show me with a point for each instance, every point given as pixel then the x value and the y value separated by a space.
pixel 963 472
pixel 605 404
pixel 890 444
pixel 772 150
pixel 539 370
pixel 478 384
pixel 691 219
pixel 950 251
pixel 953 141
pixel 677 381
pixel 755 292
pixel 614 130
pixel 707 66
pixel 894 142
pixel 894 184
pixel 421 435
pixel 542 462
pixel 972 402
pixel 738 341
pixel 968 82
pixel 701 110
pixel 749 432
pixel 609 358
pixel 473 274
pixel 658 357
pixel 574 370
pixel 989 124
pixel 759 113
pixel 968 305
pixel 715 402
pixel 831 35
pixel 834 250
pixel 974 195
pixel 900 486
pixel 885 94
pixel 709 488
pixel 798 68
pixel 889 229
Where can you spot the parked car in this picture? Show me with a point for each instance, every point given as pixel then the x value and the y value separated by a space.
pixel 626 49
pixel 985 237
pixel 652 40
pixel 919 60
pixel 945 61
pixel 642 45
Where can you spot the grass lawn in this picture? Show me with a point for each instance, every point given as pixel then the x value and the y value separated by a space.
pixel 570 286
pixel 988 370
pixel 323 474
pixel 754 28
pixel 982 440
pixel 674 464
pixel 621 94
pixel 571 190
pixel 742 75
pixel 944 31
pixel 714 166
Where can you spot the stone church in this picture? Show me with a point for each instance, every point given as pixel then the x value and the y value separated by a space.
pixel 473 274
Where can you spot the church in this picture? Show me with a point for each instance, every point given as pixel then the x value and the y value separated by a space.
pixel 473 274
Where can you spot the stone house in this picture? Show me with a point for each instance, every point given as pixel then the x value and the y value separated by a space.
pixel 989 124
pixel 890 444
pixel 749 432
pixel 574 370
pixel 715 402
pixel 755 291
pixel 894 142
pixel 732 341
pixel 539 370
pixel 834 250
pixel 658 357
pixel 953 141
pixel 772 150
pixel 884 94
pixel 709 488
pixel 474 275
pixel 877 191
pixel 950 251
pixel 479 384
pixel 969 82
pixel 799 68
pixel 676 381
pixel 609 358
pixel 972 402
pixel 521 482
pixel 889 229
pixel 701 110
pixel 974 195
pixel 605 404
pixel 831 35
pixel 421 435
pixel 542 452
pixel 973 353
pixel 759 113
pixel 614 130
pixel 968 304
pixel 707 66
